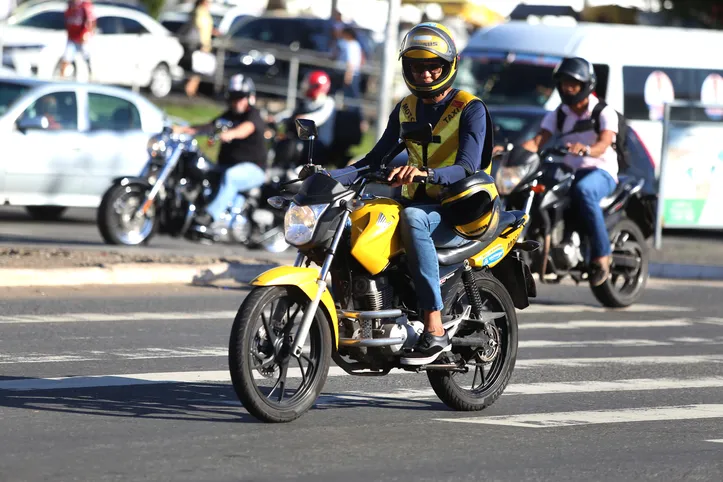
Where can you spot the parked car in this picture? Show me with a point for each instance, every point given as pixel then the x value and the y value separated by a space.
pixel 129 47
pixel 271 74
pixel 64 142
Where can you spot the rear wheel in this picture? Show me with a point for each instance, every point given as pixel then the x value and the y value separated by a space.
pixel 117 221
pixel 490 363
pixel 629 268
pixel 271 383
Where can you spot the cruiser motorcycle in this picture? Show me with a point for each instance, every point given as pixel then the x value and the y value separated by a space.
pixel 539 185
pixel 176 181
pixel 357 304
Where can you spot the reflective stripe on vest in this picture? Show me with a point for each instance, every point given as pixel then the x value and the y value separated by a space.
pixel 438 155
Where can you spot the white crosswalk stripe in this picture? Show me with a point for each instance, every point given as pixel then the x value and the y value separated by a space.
pixel 542 347
pixel 227 315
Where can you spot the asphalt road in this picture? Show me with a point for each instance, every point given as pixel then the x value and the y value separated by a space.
pixel 596 395
pixel 77 229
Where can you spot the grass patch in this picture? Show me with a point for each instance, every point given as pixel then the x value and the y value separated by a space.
pixel 368 141
pixel 194 114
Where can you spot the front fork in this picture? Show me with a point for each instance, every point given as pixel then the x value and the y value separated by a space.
pixel 303 330
pixel 160 181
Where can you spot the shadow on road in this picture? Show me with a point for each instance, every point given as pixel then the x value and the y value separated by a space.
pixel 180 401
pixel 30 239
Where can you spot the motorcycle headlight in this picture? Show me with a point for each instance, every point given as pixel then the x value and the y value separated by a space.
pixel 157 146
pixel 300 222
pixel 508 178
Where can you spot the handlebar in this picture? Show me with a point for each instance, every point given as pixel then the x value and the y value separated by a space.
pixel 558 150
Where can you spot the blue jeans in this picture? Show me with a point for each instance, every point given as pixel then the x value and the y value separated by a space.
pixel 422 229
pixel 591 186
pixel 241 177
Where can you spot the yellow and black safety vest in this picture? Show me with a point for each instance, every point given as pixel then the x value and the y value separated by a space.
pixel 438 154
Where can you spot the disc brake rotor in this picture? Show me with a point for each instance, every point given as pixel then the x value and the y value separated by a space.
pixel 263 351
pixel 491 348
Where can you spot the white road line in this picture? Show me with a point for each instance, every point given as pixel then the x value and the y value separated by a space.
pixel 717 441
pixel 229 315
pixel 570 419
pixel 222 376
pixel 575 343
pixel 578 324
pixel 577 308
pixel 631 360
pixel 200 352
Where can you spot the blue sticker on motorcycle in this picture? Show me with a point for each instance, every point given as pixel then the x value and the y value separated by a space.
pixel 495 255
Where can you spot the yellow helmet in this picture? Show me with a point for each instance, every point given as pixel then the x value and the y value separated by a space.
pixel 472 206
pixel 424 43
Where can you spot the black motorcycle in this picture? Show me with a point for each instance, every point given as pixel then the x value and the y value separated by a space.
pixel 540 186
pixel 176 182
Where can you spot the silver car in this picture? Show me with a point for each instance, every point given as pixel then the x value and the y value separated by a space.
pixel 64 142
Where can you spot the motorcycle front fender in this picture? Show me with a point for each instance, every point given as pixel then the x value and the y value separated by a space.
pixel 304 279
pixel 126 180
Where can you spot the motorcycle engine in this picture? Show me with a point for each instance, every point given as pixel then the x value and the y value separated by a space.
pixel 374 294
pixel 567 254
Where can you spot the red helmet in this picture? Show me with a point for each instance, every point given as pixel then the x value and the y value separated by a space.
pixel 315 83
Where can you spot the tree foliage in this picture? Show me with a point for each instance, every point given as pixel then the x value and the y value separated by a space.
pixel 154 6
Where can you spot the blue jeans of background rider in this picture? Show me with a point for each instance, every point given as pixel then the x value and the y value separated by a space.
pixel 422 229
pixel 241 177
pixel 591 186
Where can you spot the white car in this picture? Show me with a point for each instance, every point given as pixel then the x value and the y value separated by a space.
pixel 128 48
pixel 64 142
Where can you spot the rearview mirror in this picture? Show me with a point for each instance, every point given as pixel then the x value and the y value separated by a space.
pixel 305 129
pixel 26 123
pixel 418 132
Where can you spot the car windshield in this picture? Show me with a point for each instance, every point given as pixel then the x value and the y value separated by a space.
pixel 507 77
pixel 9 93
pixel 516 127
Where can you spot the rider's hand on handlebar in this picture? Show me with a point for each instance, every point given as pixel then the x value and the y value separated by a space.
pixel 404 175
pixel 578 149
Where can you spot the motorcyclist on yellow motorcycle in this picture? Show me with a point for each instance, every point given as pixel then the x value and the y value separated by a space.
pixel 429 65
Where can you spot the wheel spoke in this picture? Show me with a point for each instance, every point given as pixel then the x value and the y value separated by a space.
pixel 282 379
pixel 478 369
pixel 268 328
pixel 301 369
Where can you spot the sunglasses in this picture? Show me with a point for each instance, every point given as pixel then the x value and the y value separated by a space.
pixel 422 67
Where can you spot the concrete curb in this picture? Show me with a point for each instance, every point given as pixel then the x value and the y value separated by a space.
pixel 156 273
pixel 132 274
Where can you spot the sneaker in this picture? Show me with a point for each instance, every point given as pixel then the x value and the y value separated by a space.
pixel 598 274
pixel 427 349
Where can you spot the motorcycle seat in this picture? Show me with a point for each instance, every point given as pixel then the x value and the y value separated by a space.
pixel 450 256
pixel 623 183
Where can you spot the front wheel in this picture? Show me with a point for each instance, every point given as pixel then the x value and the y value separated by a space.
pixel 117 221
pixel 629 269
pixel 490 363
pixel 271 383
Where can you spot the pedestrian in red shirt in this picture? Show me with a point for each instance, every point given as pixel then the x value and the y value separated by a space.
pixel 79 23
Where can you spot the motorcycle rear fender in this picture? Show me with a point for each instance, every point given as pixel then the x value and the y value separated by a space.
pixel 305 280
pixel 517 278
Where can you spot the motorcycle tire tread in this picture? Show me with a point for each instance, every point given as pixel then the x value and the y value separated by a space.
pixel 606 293
pixel 443 384
pixel 241 374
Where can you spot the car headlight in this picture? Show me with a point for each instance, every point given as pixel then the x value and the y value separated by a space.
pixel 157 146
pixel 300 222
pixel 508 178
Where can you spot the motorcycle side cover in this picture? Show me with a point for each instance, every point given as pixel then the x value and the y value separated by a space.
pixel 304 279
pixel 375 239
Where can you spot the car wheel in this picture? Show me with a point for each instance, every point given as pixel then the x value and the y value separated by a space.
pixel 161 81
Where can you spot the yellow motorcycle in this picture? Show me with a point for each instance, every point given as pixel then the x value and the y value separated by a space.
pixel 357 305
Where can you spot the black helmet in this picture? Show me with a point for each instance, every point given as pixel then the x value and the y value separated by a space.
pixel 579 69
pixel 240 86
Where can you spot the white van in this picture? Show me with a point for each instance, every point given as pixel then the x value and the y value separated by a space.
pixel 638 68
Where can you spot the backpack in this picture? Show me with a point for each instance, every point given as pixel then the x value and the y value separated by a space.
pixel 594 123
